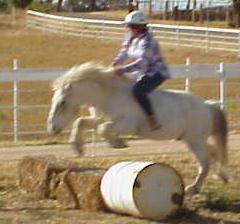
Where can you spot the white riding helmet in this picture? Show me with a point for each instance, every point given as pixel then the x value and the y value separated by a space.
pixel 135 18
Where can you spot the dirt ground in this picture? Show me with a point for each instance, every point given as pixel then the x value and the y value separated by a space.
pixel 136 147
pixel 210 207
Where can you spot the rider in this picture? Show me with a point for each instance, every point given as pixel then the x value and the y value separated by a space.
pixel 143 50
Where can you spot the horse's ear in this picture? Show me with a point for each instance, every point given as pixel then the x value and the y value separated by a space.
pixel 68 87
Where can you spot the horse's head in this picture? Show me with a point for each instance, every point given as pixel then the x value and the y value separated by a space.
pixel 88 83
pixel 63 109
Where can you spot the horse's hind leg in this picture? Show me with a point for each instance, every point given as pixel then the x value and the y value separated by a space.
pixel 199 149
pixel 109 133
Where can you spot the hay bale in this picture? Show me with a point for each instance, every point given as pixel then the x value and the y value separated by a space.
pixel 72 185
pixel 37 173
pixel 32 172
pixel 81 190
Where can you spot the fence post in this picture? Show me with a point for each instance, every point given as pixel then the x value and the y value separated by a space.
pixel 222 85
pixel 15 102
pixel 187 77
pixel 150 8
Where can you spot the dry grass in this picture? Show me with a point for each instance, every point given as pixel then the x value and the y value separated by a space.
pixel 216 201
pixel 36 49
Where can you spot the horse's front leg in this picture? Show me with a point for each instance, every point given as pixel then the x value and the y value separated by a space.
pixel 78 127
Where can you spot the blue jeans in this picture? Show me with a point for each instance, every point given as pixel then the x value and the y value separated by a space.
pixel 143 87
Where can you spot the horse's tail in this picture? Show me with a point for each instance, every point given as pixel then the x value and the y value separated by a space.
pixel 220 135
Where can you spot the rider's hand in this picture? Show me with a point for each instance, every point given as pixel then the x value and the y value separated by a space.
pixel 114 64
pixel 118 72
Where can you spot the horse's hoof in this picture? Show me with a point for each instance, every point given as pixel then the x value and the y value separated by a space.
pixel 77 149
pixel 118 144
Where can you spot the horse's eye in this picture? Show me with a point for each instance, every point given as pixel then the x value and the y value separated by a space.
pixel 63 104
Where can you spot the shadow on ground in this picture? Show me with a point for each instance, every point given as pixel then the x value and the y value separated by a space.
pixel 186 216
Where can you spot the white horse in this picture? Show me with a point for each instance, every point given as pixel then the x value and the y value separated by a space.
pixel 182 115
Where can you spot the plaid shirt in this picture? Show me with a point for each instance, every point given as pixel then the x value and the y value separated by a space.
pixel 145 55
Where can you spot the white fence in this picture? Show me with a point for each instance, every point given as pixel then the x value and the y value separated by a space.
pixel 186 72
pixel 185 36
pixel 181 4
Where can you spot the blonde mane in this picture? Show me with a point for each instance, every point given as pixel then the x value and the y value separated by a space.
pixel 84 71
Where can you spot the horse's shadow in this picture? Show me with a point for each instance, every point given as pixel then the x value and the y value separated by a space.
pixel 234 207
pixel 188 216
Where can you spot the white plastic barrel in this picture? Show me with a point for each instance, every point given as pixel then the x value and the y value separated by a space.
pixel 144 189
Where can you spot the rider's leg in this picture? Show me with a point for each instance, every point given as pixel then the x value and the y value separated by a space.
pixel 140 90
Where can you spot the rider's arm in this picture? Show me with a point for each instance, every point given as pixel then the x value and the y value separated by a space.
pixel 122 55
pixel 140 64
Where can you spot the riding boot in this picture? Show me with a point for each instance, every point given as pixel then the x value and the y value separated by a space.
pixel 152 121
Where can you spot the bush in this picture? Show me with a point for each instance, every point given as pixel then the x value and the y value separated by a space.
pixel 19 3
pixel 6 4
pixel 3 4
pixel 45 7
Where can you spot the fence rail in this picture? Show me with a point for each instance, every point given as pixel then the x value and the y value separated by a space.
pixel 185 36
pixel 187 72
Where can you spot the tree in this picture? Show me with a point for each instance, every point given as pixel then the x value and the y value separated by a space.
pixel 92 5
pixel 130 6
pixel 19 3
pixel 188 5
pixel 59 5
pixel 236 13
